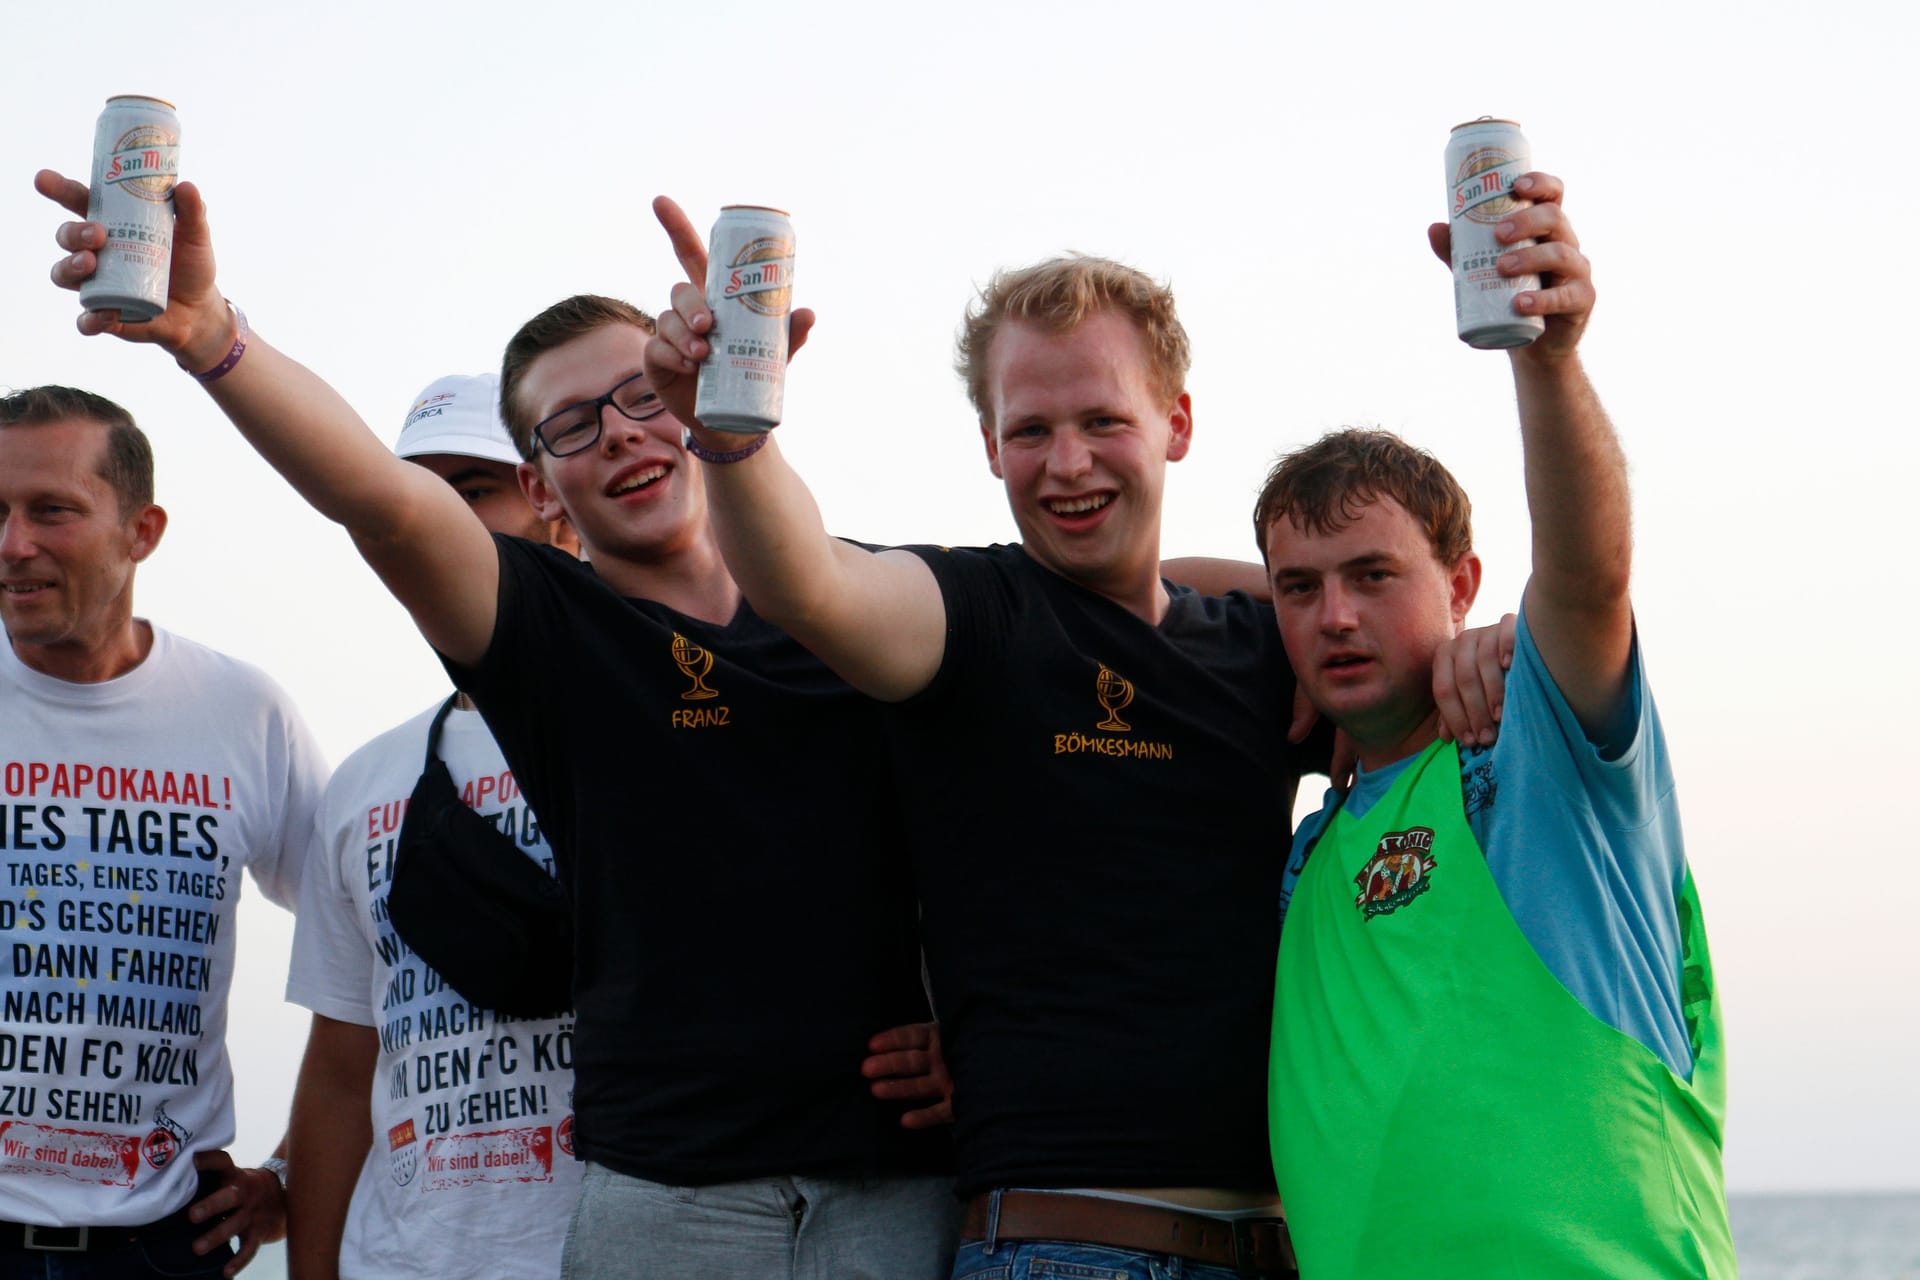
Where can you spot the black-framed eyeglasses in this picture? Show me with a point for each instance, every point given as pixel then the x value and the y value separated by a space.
pixel 577 427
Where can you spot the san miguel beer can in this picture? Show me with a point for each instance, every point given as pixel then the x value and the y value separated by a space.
pixel 1484 157
pixel 749 292
pixel 136 157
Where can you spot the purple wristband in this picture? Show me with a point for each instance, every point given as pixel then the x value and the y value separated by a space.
pixel 234 352
pixel 692 446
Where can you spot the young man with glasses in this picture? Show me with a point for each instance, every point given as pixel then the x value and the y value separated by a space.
pixel 716 799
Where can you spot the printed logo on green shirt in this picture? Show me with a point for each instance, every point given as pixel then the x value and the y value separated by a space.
pixel 1397 873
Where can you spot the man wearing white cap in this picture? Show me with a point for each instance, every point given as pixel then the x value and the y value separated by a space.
pixel 429 1133
pixel 454 430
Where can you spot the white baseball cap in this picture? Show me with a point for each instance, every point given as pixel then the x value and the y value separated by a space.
pixel 459 413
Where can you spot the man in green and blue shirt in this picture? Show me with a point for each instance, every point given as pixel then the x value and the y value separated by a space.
pixel 1496 1045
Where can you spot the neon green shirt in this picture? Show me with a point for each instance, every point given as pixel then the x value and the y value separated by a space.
pixel 1440 1106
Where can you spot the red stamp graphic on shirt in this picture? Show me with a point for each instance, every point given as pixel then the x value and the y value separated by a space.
pixel 403 1149
pixel 1399 871
pixel 503 1155
pixel 101 1159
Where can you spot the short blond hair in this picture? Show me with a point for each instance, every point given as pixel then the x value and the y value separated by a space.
pixel 1058 295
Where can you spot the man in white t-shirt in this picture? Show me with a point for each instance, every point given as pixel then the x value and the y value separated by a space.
pixel 469 1113
pixel 139 773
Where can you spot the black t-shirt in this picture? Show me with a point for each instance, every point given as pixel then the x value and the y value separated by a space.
pixel 718 806
pixel 1100 811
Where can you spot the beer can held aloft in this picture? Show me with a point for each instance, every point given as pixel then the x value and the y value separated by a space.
pixel 749 292
pixel 136 158
pixel 1484 157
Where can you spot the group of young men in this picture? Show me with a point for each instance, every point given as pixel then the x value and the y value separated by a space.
pixel 794 786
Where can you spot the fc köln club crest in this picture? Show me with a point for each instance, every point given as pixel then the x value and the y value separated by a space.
pixel 563 1136
pixel 403 1148
pixel 166 1140
pixel 1399 871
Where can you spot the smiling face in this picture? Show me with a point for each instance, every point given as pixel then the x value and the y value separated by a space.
pixel 1081 440
pixel 68 551
pixel 634 495
pixel 1363 609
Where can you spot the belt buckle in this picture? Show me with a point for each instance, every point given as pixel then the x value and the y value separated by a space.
pixel 1246 1249
pixel 54 1239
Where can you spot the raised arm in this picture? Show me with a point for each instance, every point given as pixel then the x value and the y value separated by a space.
pixel 412 528
pixel 876 619
pixel 1577 603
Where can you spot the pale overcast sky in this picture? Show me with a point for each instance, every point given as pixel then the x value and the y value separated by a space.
pixel 394 187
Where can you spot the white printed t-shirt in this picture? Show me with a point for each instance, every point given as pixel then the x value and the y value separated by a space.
pixel 127 809
pixel 471 1168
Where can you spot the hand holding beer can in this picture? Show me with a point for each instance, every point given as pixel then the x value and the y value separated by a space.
pixel 749 294
pixel 1484 157
pixel 136 159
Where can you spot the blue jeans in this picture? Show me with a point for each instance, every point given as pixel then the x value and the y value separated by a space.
pixel 1048 1260
pixel 765 1229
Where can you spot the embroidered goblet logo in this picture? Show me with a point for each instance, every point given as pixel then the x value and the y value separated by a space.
pixel 1114 691
pixel 694 663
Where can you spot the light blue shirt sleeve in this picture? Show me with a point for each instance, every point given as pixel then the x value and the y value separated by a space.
pixel 1584 842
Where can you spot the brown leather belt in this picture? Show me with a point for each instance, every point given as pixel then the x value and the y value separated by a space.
pixel 1252 1246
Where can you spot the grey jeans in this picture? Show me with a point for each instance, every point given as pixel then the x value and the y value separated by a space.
pixel 767 1229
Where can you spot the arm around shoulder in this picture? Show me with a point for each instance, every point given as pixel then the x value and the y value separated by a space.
pixel 1211 576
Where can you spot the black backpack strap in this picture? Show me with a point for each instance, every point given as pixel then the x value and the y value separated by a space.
pixel 439 719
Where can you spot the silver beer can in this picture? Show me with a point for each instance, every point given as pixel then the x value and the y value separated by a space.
pixel 749 292
pixel 136 158
pixel 1484 157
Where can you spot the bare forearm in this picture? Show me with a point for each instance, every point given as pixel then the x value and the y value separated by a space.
pixel 309 434
pixel 319 1188
pixel 877 620
pixel 1216 577
pixel 411 527
pixel 1577 604
pixel 327 1142
pixel 1577 490
pixel 770 531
